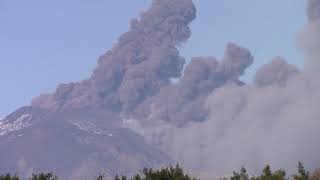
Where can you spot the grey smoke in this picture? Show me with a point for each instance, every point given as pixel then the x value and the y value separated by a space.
pixel 209 120
pixel 144 59
pixel 313 10
pixel 184 101
pixel 275 120
pixel 134 76
pixel 275 73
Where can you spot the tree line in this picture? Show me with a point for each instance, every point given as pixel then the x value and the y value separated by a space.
pixel 177 173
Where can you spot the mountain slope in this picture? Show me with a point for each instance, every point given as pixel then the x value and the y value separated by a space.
pixel 72 143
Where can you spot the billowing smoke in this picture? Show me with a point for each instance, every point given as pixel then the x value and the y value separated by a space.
pixel 134 77
pixel 184 101
pixel 144 59
pixel 310 36
pixel 209 120
pixel 274 120
pixel 275 73
pixel 313 10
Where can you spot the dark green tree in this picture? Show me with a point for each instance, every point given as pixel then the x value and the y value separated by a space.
pixel 43 176
pixel 9 177
pixel 100 177
pixel 267 174
pixel 243 175
pixel 302 173
pixel 169 173
pixel 122 177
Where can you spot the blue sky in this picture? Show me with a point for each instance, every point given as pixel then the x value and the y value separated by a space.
pixel 47 42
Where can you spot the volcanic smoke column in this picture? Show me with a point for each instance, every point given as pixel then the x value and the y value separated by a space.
pixel 310 39
pixel 143 60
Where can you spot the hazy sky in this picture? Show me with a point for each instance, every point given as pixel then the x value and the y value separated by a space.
pixel 47 42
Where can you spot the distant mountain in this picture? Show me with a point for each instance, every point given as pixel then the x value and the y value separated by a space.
pixel 72 143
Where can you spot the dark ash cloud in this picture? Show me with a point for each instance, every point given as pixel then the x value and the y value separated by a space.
pixel 209 120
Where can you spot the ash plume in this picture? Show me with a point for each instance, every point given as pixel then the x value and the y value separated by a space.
pixel 144 59
pixel 273 120
pixel 209 120
pixel 313 10
pixel 277 72
pixel 310 37
pixel 184 101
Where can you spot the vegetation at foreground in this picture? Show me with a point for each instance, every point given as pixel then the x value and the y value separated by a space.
pixel 177 173
pixel 41 176
pixel 268 174
pixel 169 173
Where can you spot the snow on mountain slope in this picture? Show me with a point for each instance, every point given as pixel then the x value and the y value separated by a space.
pixel 21 122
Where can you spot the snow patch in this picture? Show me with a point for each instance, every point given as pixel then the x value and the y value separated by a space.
pixel 22 122
pixel 87 127
pixel 90 128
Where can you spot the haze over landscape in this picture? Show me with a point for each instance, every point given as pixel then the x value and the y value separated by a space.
pixel 145 104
